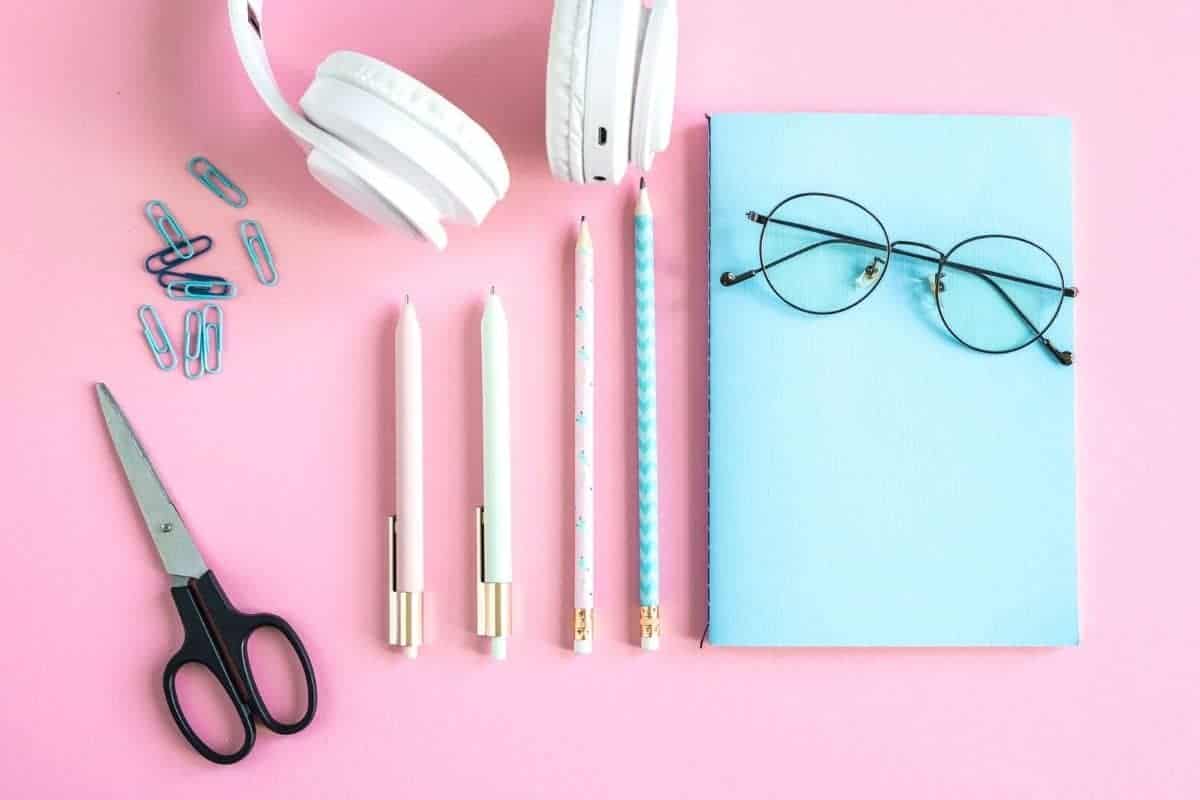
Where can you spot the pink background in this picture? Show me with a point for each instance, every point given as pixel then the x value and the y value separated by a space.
pixel 282 465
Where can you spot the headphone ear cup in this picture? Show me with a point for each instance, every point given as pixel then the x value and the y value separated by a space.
pixel 566 82
pixel 438 162
pixel 654 95
pixel 611 74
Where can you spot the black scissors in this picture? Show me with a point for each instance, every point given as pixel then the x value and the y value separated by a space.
pixel 215 633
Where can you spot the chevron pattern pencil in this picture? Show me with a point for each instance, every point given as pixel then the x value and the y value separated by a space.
pixel 647 422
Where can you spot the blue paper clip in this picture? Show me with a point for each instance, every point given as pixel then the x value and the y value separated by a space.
pixel 207 173
pixel 193 343
pixel 212 339
pixel 191 289
pixel 157 337
pixel 263 262
pixel 168 228
pixel 164 259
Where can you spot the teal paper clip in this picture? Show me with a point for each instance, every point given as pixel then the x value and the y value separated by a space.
pixel 212 339
pixel 200 290
pixel 169 229
pixel 260 257
pixel 156 336
pixel 193 343
pixel 217 182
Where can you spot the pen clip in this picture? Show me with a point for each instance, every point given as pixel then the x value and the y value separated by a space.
pixel 393 599
pixel 480 589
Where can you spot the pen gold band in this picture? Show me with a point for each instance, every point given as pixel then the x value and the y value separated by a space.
pixel 410 616
pixel 494 609
pixel 584 620
pixel 649 622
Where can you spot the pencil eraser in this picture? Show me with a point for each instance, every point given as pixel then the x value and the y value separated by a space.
pixel 649 642
pixel 583 646
pixel 499 647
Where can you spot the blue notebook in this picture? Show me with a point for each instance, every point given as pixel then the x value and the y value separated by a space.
pixel 873 481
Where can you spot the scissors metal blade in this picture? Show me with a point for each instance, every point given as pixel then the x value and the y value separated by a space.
pixel 175 547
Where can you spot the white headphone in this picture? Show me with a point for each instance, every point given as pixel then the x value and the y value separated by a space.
pixel 610 86
pixel 406 157
pixel 382 141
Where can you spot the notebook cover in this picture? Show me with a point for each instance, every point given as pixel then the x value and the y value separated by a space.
pixel 871 480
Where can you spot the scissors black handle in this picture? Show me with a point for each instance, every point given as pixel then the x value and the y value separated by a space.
pixel 216 636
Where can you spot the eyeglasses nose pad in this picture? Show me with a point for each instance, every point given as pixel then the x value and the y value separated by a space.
pixel 870 274
pixel 936 285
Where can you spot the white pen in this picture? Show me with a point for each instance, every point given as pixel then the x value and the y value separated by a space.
pixel 406 534
pixel 494 519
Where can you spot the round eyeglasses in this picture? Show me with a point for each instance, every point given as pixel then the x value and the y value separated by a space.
pixel 823 254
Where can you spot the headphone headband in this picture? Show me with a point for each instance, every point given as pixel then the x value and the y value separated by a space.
pixel 245 19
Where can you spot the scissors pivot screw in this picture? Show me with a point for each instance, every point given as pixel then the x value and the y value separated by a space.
pixel 167 527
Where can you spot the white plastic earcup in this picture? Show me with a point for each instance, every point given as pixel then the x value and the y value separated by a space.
pixel 610 86
pixel 566 79
pixel 466 136
pixel 611 72
pixel 654 98
pixel 409 130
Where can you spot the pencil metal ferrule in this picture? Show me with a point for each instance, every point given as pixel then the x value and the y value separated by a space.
pixel 585 620
pixel 649 623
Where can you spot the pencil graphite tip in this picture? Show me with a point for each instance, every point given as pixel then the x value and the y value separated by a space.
pixel 582 220
pixel 407 301
pixel 493 289
pixel 642 184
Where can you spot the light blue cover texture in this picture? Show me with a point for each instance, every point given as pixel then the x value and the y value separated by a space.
pixel 871 480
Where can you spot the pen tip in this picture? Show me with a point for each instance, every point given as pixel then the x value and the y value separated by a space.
pixel 493 288
pixel 406 300
pixel 642 185
pixel 582 220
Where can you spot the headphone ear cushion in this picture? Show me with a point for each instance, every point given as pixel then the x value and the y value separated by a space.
pixel 428 107
pixel 411 132
pixel 566 87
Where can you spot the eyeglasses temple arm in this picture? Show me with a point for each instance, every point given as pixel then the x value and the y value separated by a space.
pixel 732 279
pixel 1064 357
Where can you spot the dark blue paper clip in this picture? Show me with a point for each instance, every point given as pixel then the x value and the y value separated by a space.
pixel 260 254
pixel 164 259
pixel 217 182
pixel 169 229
